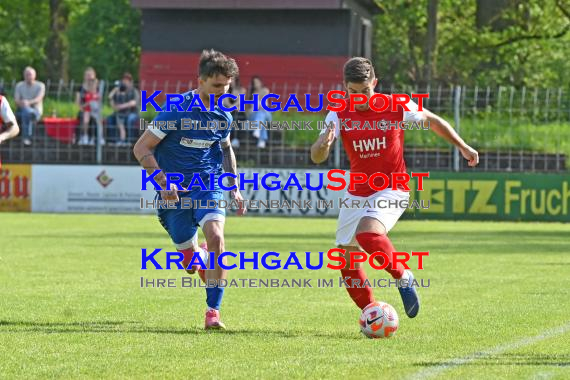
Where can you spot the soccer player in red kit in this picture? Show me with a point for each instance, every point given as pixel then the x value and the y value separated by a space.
pixel 370 151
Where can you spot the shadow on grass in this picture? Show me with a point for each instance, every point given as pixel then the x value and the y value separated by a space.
pixel 554 360
pixel 134 327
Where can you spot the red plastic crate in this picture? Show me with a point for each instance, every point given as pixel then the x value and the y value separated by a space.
pixel 62 129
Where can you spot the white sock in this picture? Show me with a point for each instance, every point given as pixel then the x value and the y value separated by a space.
pixel 204 255
pixel 406 275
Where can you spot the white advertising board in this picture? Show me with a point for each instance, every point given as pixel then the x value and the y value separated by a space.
pixel 88 189
pixel 117 189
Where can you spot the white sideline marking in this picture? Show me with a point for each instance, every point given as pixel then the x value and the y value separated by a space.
pixel 436 370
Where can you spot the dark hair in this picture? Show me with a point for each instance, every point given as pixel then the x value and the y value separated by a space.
pixel 358 70
pixel 128 76
pixel 213 62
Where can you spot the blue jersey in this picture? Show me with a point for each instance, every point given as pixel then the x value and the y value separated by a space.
pixel 187 149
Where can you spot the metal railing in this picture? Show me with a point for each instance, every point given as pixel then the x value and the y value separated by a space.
pixel 515 129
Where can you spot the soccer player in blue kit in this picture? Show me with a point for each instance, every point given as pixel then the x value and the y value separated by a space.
pixel 191 151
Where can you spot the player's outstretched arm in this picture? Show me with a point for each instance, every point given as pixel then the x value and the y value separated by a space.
pixel 12 128
pixel 320 150
pixel 230 166
pixel 143 152
pixel 444 129
pixel 12 131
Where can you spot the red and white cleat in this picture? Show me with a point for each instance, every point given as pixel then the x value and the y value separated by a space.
pixel 213 320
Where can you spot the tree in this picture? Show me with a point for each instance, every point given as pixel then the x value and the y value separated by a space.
pixel 431 41
pixel 23 29
pixel 56 48
pixel 489 13
pixel 513 43
pixel 106 36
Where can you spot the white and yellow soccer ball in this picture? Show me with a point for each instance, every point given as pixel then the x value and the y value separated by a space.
pixel 379 320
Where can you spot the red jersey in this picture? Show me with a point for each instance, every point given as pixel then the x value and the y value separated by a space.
pixel 374 141
pixel 89 97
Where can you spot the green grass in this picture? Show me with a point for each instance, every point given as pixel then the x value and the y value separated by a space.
pixel 485 131
pixel 71 305
pixel 66 108
pixel 69 109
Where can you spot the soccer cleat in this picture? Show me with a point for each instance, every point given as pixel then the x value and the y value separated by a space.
pixel 213 320
pixel 410 297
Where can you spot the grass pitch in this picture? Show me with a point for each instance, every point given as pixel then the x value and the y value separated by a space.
pixel 71 305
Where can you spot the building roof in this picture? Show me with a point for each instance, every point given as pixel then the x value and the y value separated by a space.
pixel 369 5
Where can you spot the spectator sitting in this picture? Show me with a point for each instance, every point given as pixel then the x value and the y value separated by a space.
pixel 89 101
pixel 125 99
pixel 29 98
pixel 262 115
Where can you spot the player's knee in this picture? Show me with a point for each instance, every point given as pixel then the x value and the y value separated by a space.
pixel 370 225
pixel 216 241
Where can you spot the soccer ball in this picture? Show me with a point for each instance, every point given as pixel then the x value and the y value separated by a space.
pixel 378 320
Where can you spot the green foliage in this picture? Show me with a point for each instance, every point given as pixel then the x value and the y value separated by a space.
pixel 531 50
pixel 484 131
pixel 23 29
pixel 66 109
pixel 105 35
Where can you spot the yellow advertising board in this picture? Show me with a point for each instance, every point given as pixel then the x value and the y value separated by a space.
pixel 15 187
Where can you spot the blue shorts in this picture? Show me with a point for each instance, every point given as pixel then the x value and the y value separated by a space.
pixel 182 223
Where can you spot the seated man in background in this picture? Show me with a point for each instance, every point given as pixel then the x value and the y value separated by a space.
pixel 29 97
pixel 124 99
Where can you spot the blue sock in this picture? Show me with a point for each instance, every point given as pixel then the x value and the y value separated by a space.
pixel 214 297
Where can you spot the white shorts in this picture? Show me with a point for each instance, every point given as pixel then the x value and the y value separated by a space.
pixel 381 208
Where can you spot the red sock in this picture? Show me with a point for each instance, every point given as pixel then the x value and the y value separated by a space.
pixel 372 242
pixel 362 296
